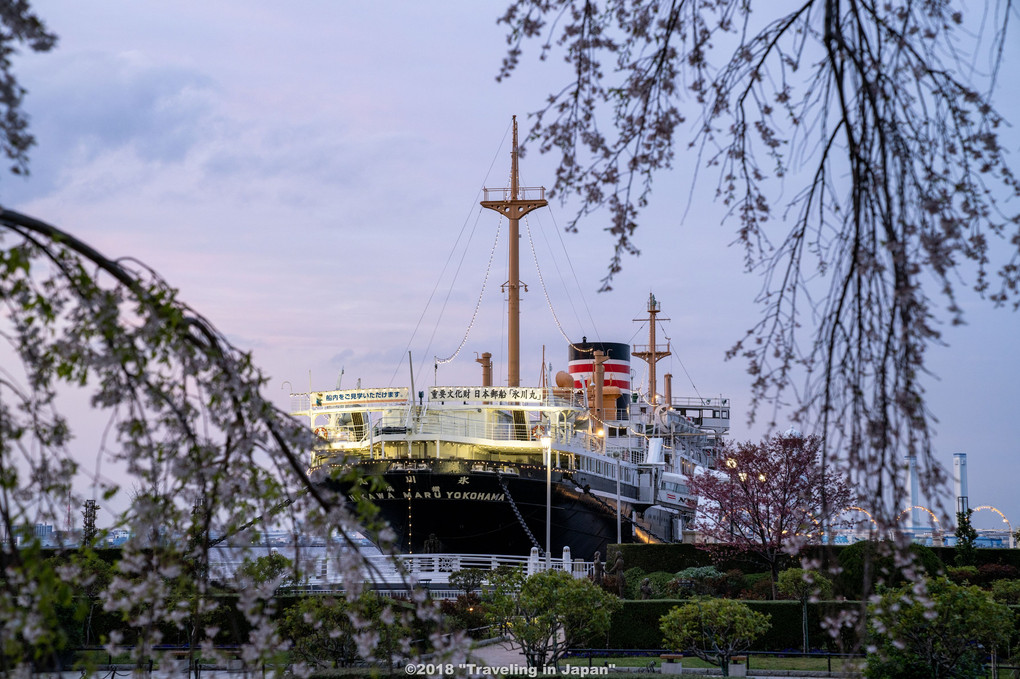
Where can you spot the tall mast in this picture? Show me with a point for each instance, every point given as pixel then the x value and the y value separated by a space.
pixel 514 205
pixel 651 353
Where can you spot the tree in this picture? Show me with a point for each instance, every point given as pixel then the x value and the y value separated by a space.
pixel 20 27
pixel 273 568
pixel 319 627
pixel 467 612
pixel 804 585
pixel 467 579
pixel 966 536
pixel 713 629
pixel 856 145
pixel 94 575
pixel 187 423
pixel 550 612
pixel 934 630
pixel 323 635
pixel 767 497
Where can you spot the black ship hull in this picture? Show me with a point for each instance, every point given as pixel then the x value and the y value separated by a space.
pixel 446 506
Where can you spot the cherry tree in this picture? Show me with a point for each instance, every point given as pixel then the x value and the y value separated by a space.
pixel 206 457
pixel 769 498
pixel 858 151
pixel 20 26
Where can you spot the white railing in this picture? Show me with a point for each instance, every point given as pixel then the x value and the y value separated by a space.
pixel 695 402
pixel 523 193
pixel 429 570
pixel 445 426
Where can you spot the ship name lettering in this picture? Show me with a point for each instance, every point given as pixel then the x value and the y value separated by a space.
pixel 462 481
pixel 487 497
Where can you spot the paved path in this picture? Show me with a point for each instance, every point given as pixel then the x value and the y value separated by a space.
pixel 500 656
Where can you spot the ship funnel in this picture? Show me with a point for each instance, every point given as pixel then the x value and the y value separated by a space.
pixel 960 481
pixel 616 367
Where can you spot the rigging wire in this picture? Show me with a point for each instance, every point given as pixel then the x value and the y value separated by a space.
pixel 449 258
pixel 640 328
pixel 559 275
pixel 545 291
pixel 674 353
pixel 573 273
pixel 478 304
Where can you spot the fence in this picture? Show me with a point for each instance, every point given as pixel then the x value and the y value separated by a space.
pixel 431 571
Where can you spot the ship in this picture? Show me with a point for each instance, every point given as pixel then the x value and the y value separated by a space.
pixel 578 462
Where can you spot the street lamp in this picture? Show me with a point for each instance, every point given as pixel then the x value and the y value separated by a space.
pixel 731 463
pixel 619 531
pixel 546 441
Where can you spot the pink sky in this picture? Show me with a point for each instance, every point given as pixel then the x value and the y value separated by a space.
pixel 301 172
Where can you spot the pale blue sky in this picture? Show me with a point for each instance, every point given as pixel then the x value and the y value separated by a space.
pixel 302 170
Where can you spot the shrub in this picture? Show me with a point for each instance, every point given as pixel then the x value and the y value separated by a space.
pixel 466 613
pixel 693 580
pixel 944 634
pixel 660 582
pixel 679 589
pixel 962 575
pixel 1006 591
pixel 728 585
pixel 713 629
pixel 757 587
pixel 632 583
pixel 698 573
pixel 989 573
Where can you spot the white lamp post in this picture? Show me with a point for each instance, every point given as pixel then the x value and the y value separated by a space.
pixel 546 441
pixel 619 530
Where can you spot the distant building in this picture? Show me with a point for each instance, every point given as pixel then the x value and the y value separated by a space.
pixel 117 537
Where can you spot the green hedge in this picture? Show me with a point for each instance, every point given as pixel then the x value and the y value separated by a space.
pixel 636 625
pixel 675 557
pixel 1006 557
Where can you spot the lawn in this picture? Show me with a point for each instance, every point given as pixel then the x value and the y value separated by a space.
pixel 761 662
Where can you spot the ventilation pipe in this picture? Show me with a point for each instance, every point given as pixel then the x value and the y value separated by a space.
pixel 486 361
pixel 600 373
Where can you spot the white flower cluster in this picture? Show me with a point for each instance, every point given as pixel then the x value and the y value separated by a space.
pixel 210 464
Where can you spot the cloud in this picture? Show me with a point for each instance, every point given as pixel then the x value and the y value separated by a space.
pixel 84 106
